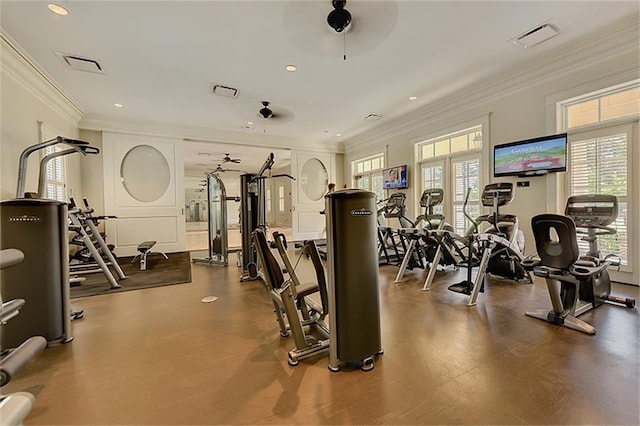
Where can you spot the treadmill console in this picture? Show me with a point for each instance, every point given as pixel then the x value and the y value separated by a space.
pixel 592 210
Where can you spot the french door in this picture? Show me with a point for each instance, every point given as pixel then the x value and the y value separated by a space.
pixel 600 163
pixel 455 175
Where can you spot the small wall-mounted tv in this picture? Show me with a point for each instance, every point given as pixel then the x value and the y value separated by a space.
pixel 395 178
pixel 531 157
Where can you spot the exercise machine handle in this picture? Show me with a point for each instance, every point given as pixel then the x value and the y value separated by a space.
pixel 10 257
pixel 284 175
pixel 464 211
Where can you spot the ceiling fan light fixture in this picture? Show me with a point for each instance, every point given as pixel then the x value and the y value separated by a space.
pixel 265 112
pixel 339 18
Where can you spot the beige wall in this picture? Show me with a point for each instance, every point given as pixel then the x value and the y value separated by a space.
pixel 91 172
pixel 520 114
pixel 21 111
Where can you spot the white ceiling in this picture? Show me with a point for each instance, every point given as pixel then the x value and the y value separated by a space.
pixel 160 58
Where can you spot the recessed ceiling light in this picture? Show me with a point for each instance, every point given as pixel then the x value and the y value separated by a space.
pixel 57 9
pixel 413 98
pixel 338 134
pixel 249 123
pixel 118 105
pixel 291 68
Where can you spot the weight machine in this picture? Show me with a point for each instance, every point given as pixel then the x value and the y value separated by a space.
pixel 217 222
pixel 254 207
pixel 85 225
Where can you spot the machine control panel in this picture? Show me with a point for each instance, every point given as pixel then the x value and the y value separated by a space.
pixel 593 210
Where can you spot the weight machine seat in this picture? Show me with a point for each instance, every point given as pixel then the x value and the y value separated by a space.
pixel 146 246
pixel 273 271
pixel 145 250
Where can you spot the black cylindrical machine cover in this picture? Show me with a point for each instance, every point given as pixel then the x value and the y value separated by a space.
pixel 38 228
pixel 353 274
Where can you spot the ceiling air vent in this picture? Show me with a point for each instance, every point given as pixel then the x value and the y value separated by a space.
pixel 80 63
pixel 228 92
pixel 535 36
pixel 372 117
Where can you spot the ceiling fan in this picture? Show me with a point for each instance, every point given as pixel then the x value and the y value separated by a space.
pixel 221 169
pixel 266 112
pixel 275 115
pixel 228 159
pixel 339 18
pixel 316 27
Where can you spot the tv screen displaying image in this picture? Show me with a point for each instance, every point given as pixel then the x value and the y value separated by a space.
pixel 531 157
pixel 395 178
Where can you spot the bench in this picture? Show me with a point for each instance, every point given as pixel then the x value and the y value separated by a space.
pixel 145 250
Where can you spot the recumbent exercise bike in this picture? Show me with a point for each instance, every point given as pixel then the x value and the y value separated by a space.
pixel 576 283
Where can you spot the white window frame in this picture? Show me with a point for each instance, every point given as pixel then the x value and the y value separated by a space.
pixel 482 153
pixel 368 175
pixel 631 272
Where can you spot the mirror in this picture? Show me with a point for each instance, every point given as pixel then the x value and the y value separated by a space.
pixel 145 173
pixel 314 179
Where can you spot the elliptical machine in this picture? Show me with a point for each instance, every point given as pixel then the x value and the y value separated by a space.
pixel 391 245
pixel 500 247
pixel 422 248
pixel 576 283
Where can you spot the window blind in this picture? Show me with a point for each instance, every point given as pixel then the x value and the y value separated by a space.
pixel 54 176
pixel 599 166
pixel 466 174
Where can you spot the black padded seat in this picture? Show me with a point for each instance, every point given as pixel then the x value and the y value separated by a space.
pixel 306 289
pixel 144 249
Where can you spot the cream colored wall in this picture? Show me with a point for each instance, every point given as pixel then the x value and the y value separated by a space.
pixel 520 114
pixel 20 112
pixel 91 172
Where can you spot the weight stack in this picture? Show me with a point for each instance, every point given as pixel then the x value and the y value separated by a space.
pixel 354 295
pixel 38 228
pixel 249 209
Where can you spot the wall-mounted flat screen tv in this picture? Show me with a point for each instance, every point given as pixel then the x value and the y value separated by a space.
pixel 395 177
pixel 531 157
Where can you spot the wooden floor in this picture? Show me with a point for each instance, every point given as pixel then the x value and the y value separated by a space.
pixel 198 238
pixel 160 356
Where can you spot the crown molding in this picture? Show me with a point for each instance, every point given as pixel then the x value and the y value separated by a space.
pixel 601 47
pixel 199 134
pixel 20 67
